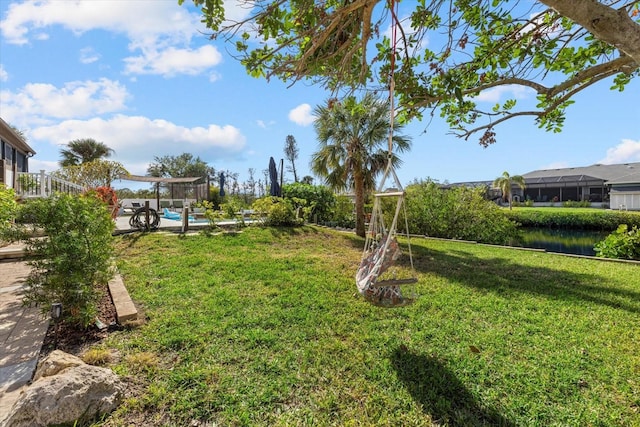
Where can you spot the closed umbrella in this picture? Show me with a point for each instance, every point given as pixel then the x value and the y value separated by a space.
pixel 221 184
pixel 273 176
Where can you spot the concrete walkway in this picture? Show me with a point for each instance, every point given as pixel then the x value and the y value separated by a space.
pixel 22 332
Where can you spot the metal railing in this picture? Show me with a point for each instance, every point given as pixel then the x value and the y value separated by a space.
pixel 40 184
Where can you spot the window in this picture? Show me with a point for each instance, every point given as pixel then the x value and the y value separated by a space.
pixel 8 153
pixel 21 160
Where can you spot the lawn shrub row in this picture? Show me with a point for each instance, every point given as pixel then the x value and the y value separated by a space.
pixel 585 220
pixel 456 213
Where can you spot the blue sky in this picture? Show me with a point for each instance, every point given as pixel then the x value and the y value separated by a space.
pixel 141 77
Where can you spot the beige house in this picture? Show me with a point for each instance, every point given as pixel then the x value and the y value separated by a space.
pixel 14 155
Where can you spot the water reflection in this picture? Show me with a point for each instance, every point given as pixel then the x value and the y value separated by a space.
pixel 578 242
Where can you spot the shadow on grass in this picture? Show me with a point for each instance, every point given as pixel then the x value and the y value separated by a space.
pixel 440 393
pixel 501 276
pixel 132 238
pixel 282 231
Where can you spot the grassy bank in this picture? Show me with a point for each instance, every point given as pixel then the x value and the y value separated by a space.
pixel 576 218
pixel 262 328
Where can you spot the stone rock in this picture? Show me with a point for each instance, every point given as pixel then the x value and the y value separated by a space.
pixel 55 362
pixel 66 391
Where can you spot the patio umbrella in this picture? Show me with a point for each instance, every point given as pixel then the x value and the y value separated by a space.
pixel 273 176
pixel 221 184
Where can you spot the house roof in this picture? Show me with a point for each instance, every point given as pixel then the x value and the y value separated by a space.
pixel 472 184
pixel 610 174
pixel 632 178
pixel 9 135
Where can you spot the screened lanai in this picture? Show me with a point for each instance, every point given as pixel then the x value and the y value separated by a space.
pixel 565 187
pixel 589 183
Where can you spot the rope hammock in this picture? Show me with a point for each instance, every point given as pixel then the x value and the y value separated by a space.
pixel 376 280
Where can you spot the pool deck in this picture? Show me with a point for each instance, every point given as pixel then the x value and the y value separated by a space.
pixel 122 225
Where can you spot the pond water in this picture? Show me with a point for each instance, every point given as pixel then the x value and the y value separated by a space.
pixel 578 242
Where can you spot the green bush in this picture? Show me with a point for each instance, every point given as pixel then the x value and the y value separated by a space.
pixel 593 219
pixel 210 213
pixel 342 214
pixel 276 211
pixel 623 243
pixel 316 201
pixel 456 213
pixel 75 256
pixel 232 208
pixel 8 208
pixel 572 204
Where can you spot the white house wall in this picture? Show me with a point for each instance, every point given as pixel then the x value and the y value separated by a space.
pixel 625 200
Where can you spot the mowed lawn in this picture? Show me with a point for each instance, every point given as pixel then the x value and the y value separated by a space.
pixel 263 328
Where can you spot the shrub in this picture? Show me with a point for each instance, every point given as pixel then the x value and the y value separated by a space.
pixel 458 213
pixel 106 194
pixel 342 214
pixel 109 197
pixel 8 208
pixel 572 204
pixel 276 211
pixel 623 243
pixel 316 201
pixel 595 219
pixel 210 214
pixel 73 259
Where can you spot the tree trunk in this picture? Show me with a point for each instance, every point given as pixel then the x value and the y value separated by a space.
pixel 612 26
pixel 359 202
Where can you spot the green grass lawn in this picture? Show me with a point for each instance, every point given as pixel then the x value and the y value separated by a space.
pixel 263 328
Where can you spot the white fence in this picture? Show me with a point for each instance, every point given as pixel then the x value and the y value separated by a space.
pixel 42 185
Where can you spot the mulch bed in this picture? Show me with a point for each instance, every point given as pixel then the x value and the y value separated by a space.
pixel 72 339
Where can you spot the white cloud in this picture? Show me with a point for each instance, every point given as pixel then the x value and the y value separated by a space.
pixel 495 94
pixel 302 115
pixel 88 55
pixel 265 125
pixel 626 152
pixel 41 36
pixel 160 30
pixel 136 138
pixel 40 102
pixel 4 76
pixel 36 165
pixel 172 61
pixel 139 19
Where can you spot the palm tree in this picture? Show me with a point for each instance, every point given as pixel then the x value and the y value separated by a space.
pixel 84 150
pixel 352 150
pixel 505 183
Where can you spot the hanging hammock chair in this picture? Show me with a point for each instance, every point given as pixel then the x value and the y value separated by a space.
pixel 377 281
